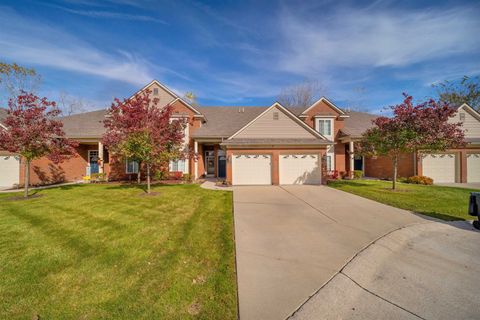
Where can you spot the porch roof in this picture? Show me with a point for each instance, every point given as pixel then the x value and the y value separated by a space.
pixel 276 142
pixel 85 125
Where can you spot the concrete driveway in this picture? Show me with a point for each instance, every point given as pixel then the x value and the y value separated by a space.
pixel 292 241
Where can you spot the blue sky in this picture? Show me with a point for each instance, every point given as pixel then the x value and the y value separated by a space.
pixel 364 54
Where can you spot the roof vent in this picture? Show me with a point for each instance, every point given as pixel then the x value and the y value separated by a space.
pixel 241 110
pixel 462 116
pixel 275 116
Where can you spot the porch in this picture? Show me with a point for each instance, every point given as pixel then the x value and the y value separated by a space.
pixel 211 159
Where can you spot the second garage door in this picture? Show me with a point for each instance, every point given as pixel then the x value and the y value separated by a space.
pixel 251 169
pixel 440 167
pixel 299 169
pixel 473 167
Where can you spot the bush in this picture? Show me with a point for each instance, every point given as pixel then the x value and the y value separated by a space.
pixel 332 175
pixel 357 174
pixel 187 177
pixel 98 177
pixel 419 180
pixel 161 175
pixel 176 175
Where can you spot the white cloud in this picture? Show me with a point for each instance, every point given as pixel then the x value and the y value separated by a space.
pixel 375 37
pixel 111 15
pixel 34 43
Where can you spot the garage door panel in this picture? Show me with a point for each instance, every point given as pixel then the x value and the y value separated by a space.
pixel 440 167
pixel 9 171
pixel 252 169
pixel 300 169
pixel 473 167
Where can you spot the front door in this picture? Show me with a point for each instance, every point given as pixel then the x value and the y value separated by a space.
pixel 222 166
pixel 210 162
pixel 358 163
pixel 93 161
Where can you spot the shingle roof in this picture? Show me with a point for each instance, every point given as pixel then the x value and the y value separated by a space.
pixel 3 114
pixel 357 122
pixel 221 122
pixel 85 125
pixel 225 121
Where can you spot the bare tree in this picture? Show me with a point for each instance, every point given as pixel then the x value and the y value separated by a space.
pixel 302 95
pixel 15 78
pixel 69 104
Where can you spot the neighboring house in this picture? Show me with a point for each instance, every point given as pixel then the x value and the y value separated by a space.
pixel 257 145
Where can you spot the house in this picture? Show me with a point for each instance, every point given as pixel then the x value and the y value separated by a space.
pixel 256 145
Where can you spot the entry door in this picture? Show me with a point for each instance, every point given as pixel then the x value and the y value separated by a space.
pixel 93 161
pixel 252 169
pixel 300 169
pixel 210 162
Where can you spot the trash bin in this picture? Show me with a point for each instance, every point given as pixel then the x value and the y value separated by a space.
pixel 473 208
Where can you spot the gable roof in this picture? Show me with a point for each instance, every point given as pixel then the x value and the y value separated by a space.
pixel 328 102
pixel 470 110
pixel 224 121
pixel 288 114
pixel 357 122
pixel 175 96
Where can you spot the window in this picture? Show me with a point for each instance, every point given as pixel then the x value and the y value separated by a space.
pixel 155 91
pixel 329 163
pixel 131 166
pixel 275 116
pixel 177 165
pixel 324 126
pixel 462 116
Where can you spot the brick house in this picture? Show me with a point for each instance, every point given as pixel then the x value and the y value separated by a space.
pixel 255 145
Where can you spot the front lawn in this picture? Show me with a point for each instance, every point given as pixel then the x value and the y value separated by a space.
pixel 104 252
pixel 445 203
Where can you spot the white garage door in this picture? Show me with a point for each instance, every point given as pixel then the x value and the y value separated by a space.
pixel 9 171
pixel 473 167
pixel 300 169
pixel 440 167
pixel 251 169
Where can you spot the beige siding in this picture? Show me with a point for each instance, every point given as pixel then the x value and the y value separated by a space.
pixel 164 96
pixel 267 127
pixel 470 124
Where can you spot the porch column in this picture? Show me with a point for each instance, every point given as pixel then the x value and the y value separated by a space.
pixel 352 156
pixel 195 162
pixel 100 156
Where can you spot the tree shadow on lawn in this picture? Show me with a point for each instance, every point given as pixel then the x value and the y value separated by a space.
pixel 351 183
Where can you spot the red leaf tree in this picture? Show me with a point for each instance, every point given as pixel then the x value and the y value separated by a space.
pixel 140 130
pixel 33 131
pixel 421 127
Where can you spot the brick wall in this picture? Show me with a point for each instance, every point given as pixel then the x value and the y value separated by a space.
pixel 43 171
pixel 382 167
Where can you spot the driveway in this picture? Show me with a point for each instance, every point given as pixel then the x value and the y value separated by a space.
pixel 292 241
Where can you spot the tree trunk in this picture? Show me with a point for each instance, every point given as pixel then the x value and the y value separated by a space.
pixel 139 174
pixel 395 165
pixel 26 181
pixel 148 178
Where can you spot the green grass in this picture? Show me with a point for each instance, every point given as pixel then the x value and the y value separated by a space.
pixel 104 252
pixel 447 203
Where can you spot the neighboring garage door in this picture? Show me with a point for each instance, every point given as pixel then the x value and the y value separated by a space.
pixel 9 171
pixel 299 169
pixel 252 169
pixel 440 167
pixel 473 167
